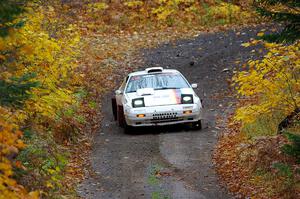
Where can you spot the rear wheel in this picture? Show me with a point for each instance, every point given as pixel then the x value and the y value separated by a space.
pixel 114 107
pixel 197 125
pixel 120 116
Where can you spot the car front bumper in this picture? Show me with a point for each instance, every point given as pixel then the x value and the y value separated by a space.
pixel 163 115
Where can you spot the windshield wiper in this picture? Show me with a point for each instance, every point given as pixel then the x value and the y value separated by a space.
pixel 164 88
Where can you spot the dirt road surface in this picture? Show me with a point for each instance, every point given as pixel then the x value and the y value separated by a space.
pixel 171 162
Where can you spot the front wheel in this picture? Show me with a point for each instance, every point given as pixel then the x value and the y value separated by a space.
pixel 122 122
pixel 197 125
pixel 128 129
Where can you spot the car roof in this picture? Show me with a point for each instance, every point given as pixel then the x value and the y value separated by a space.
pixel 146 71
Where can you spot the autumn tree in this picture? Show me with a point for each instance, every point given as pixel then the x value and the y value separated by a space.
pixel 9 10
pixel 38 82
pixel 13 90
pixel 270 85
pixel 286 11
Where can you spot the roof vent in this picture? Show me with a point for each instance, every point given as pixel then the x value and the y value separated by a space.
pixel 154 69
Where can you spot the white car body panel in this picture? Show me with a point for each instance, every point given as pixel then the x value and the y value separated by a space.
pixel 162 107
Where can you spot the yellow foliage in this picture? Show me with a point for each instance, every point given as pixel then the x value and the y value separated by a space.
pixel 134 4
pixel 167 7
pixel 204 12
pixel 260 34
pixel 134 13
pixel 224 10
pixel 10 144
pixel 162 13
pixel 270 85
pixel 51 59
pixel 227 10
pixel 246 44
pixel 97 6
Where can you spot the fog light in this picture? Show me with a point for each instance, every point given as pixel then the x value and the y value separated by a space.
pixel 187 112
pixel 140 115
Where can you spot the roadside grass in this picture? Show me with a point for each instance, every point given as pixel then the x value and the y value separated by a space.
pixel 265 125
pixel 154 181
pixel 277 182
pixel 159 195
pixel 152 174
pixel 266 180
pixel 45 162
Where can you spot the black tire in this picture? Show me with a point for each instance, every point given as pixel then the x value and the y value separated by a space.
pixel 128 129
pixel 120 116
pixel 197 125
pixel 122 122
pixel 114 107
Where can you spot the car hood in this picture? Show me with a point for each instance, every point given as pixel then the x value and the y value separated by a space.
pixel 160 97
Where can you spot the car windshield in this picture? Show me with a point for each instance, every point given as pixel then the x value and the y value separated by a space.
pixel 157 81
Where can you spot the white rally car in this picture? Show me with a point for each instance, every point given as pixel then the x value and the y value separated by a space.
pixel 156 96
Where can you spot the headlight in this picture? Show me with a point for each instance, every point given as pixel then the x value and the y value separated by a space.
pixel 187 99
pixel 139 102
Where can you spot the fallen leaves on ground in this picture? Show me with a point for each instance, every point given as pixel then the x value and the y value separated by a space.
pixel 246 166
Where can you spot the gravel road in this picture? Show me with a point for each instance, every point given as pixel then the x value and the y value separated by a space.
pixel 171 162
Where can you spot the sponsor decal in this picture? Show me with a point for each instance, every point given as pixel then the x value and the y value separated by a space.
pixel 176 96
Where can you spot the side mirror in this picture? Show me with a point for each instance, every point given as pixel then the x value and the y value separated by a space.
pixel 194 85
pixel 118 92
